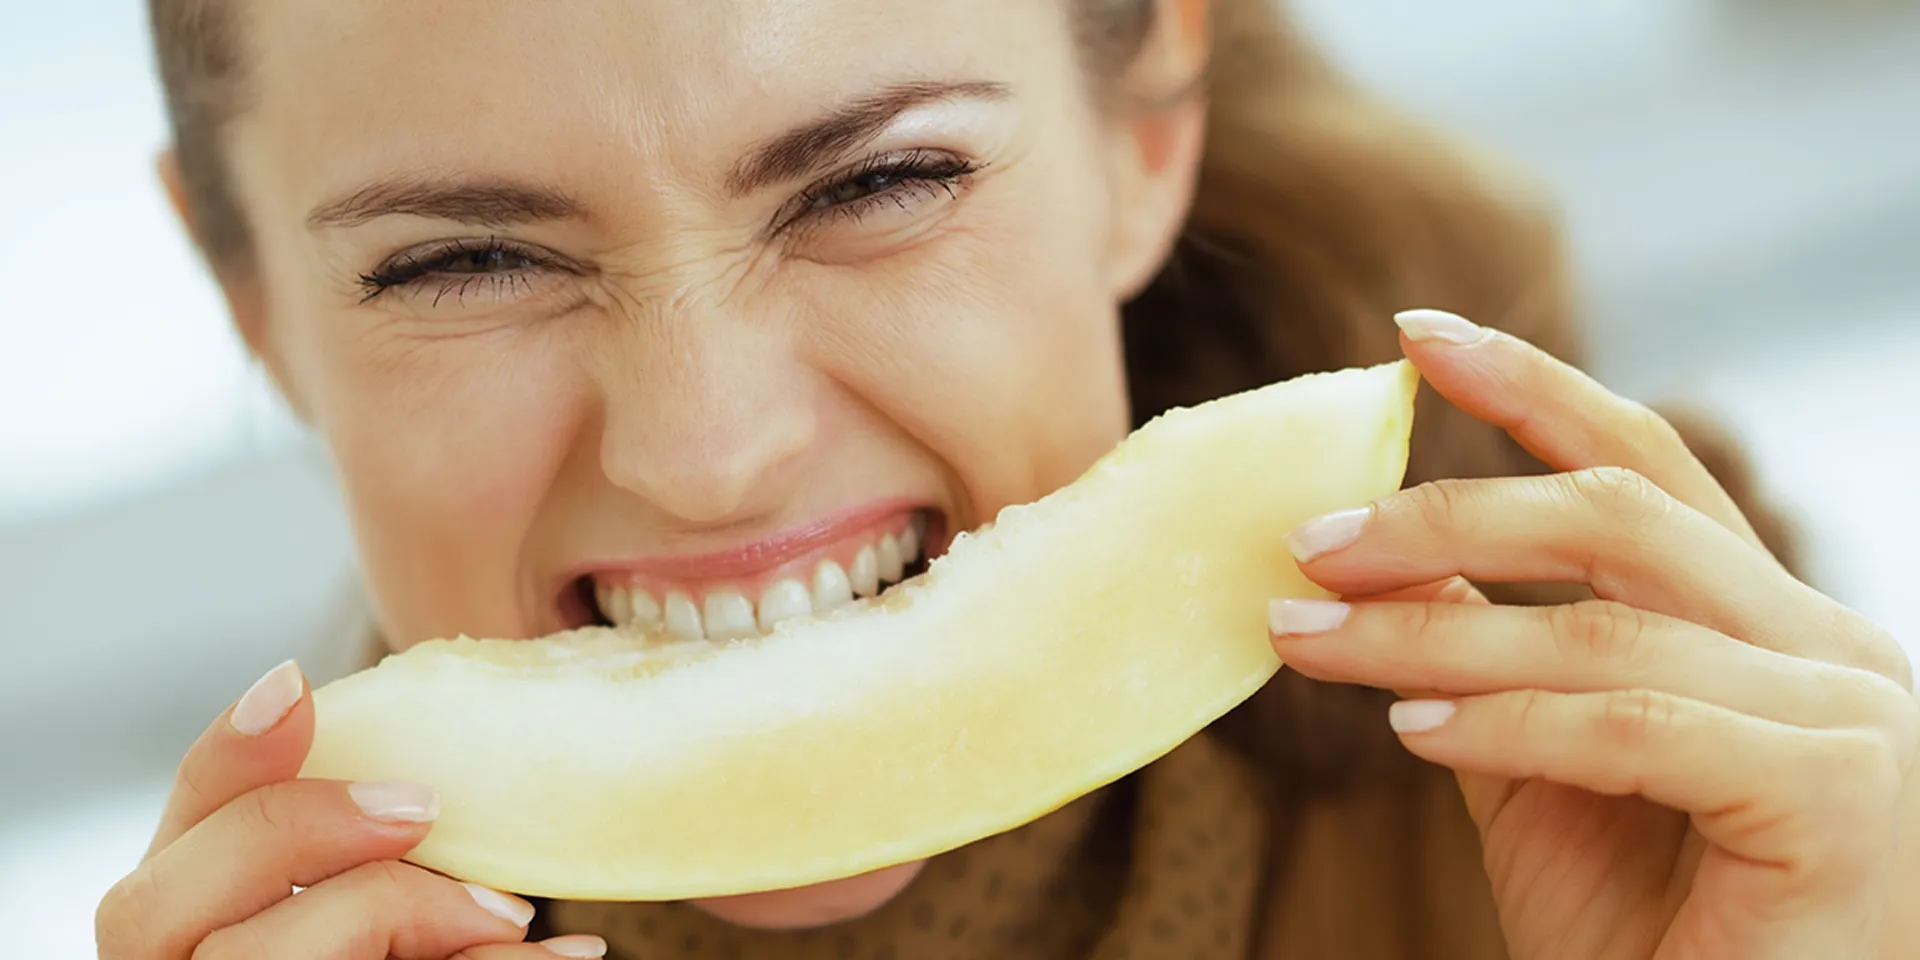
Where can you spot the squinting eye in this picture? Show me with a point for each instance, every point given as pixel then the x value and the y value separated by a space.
pixel 855 187
pixel 457 263
pixel 485 261
pixel 895 179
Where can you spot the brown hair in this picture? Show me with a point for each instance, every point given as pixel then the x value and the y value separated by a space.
pixel 1319 213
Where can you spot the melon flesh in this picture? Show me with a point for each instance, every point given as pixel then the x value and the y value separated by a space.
pixel 1068 644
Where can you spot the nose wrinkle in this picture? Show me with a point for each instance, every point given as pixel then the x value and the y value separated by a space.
pixel 687 273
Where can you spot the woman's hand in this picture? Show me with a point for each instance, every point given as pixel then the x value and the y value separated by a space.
pixel 240 833
pixel 1710 760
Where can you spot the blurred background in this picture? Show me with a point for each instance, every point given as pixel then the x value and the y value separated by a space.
pixel 1741 180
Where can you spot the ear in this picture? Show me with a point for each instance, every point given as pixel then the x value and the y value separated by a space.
pixel 246 302
pixel 1158 140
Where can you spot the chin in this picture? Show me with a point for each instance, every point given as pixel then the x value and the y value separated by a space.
pixel 815 905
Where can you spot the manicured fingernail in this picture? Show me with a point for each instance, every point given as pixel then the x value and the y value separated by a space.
pixel 1418 716
pixel 1295 617
pixel 267 702
pixel 1440 325
pixel 581 946
pixel 395 801
pixel 1324 535
pixel 506 906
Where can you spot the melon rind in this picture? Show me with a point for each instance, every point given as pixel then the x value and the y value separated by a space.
pixel 1068 644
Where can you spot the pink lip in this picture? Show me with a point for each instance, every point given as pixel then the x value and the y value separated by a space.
pixel 753 558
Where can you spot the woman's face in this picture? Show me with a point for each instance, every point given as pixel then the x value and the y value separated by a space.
pixel 686 312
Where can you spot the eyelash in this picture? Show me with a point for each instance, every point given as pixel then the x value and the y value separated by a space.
pixel 921 171
pixel 901 175
pixel 413 267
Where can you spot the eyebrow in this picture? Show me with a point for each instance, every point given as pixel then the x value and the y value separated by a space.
pixel 788 156
pixel 482 203
pixel 800 151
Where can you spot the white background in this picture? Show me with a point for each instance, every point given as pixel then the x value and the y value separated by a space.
pixel 1740 179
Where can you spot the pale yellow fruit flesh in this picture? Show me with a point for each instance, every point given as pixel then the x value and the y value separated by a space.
pixel 1074 641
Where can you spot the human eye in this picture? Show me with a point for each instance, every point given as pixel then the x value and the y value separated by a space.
pixel 898 182
pixel 460 269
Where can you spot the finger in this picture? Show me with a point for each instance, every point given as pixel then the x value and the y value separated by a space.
pixel 1450 590
pixel 251 853
pixel 574 947
pixel 1610 529
pixel 1591 647
pixel 372 912
pixel 1557 413
pixel 262 738
pixel 1767 792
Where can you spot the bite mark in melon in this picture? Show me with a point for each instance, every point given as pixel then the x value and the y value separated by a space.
pixel 1073 641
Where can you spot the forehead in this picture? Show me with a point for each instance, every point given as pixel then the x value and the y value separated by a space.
pixel 345 88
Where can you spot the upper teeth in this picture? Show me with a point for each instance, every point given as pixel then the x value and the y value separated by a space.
pixel 727 614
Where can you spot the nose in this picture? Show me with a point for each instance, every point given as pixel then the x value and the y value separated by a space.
pixel 707 424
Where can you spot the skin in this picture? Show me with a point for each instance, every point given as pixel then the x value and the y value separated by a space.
pixel 683 368
pixel 1711 760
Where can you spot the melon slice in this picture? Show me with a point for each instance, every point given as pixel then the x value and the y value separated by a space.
pixel 1071 642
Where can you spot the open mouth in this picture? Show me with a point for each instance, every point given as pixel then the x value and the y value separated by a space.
pixel 817 581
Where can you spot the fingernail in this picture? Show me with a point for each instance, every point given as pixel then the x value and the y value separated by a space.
pixel 506 906
pixel 395 801
pixel 1295 617
pixel 1420 325
pixel 1324 535
pixel 582 946
pixel 1418 716
pixel 267 702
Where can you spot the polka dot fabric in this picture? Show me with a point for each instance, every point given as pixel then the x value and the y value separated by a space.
pixel 1166 864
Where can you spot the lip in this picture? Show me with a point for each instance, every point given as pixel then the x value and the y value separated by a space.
pixel 749 560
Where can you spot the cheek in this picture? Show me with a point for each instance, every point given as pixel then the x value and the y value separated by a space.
pixel 996 346
pixel 446 446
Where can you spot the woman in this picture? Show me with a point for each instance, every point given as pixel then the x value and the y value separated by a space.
pixel 586 298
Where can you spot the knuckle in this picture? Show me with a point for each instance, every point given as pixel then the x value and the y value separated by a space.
pixel 242 941
pixel 123 924
pixel 1897 665
pixel 1422 624
pixel 191 785
pixel 1878 761
pixel 1599 630
pixel 1654 430
pixel 499 951
pixel 1439 503
pixel 1854 757
pixel 1855 779
pixel 1856 774
pixel 1634 718
pixel 259 809
pixel 1905 730
pixel 1896 717
pixel 383 891
pixel 1527 712
pixel 502 951
pixel 1882 654
pixel 388 882
pixel 1622 495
